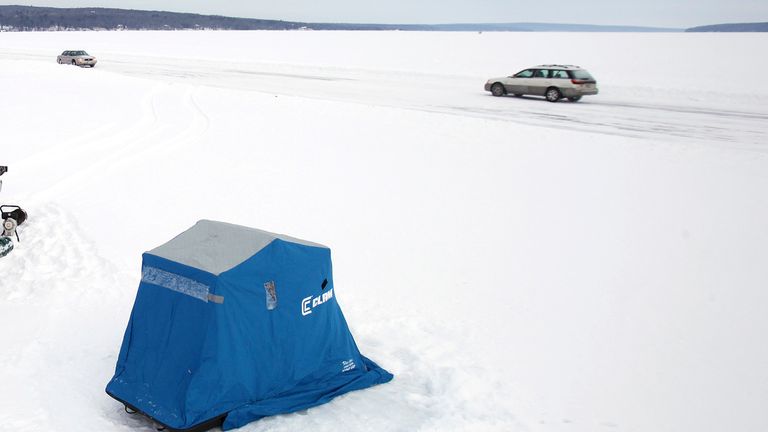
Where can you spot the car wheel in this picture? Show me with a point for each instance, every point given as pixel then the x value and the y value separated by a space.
pixel 574 98
pixel 497 90
pixel 553 94
pixel 74 63
pixel 58 60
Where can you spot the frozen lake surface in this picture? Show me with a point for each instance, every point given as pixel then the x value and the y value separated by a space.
pixel 518 265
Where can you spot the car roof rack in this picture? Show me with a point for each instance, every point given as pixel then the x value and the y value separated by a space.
pixel 561 66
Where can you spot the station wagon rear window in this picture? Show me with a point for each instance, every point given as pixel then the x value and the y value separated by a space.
pixel 581 74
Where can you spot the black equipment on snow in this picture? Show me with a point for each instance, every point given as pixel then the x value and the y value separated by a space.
pixel 11 216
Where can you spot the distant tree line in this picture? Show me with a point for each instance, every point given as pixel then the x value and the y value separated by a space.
pixel 28 18
pixel 742 27
pixel 31 18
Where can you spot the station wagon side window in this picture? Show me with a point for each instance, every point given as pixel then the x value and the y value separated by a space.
pixel 541 73
pixel 528 73
pixel 559 74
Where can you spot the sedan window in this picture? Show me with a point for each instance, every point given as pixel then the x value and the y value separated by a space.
pixel 524 74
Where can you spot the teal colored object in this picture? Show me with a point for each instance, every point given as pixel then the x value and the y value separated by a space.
pixel 231 324
pixel 6 246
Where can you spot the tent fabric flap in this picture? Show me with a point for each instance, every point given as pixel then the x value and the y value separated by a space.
pixel 371 374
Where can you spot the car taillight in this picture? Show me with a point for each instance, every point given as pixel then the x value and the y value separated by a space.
pixel 578 81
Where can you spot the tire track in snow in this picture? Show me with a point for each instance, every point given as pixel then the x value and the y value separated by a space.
pixel 733 131
pixel 159 131
pixel 76 158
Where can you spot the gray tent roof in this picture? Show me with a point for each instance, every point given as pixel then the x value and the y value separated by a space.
pixel 219 246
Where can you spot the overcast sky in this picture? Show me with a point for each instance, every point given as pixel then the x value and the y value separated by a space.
pixel 660 13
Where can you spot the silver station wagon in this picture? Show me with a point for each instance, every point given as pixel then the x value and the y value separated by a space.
pixel 554 82
pixel 77 58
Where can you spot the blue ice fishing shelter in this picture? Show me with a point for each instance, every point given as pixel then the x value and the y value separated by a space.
pixel 232 324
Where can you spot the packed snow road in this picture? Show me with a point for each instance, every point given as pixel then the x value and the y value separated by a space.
pixel 463 96
pixel 617 111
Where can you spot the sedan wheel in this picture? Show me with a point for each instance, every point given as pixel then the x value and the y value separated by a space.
pixel 74 63
pixel 497 90
pixel 553 95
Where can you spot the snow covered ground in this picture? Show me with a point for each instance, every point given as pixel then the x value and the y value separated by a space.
pixel 518 265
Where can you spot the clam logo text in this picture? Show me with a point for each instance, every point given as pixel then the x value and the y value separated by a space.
pixel 310 302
